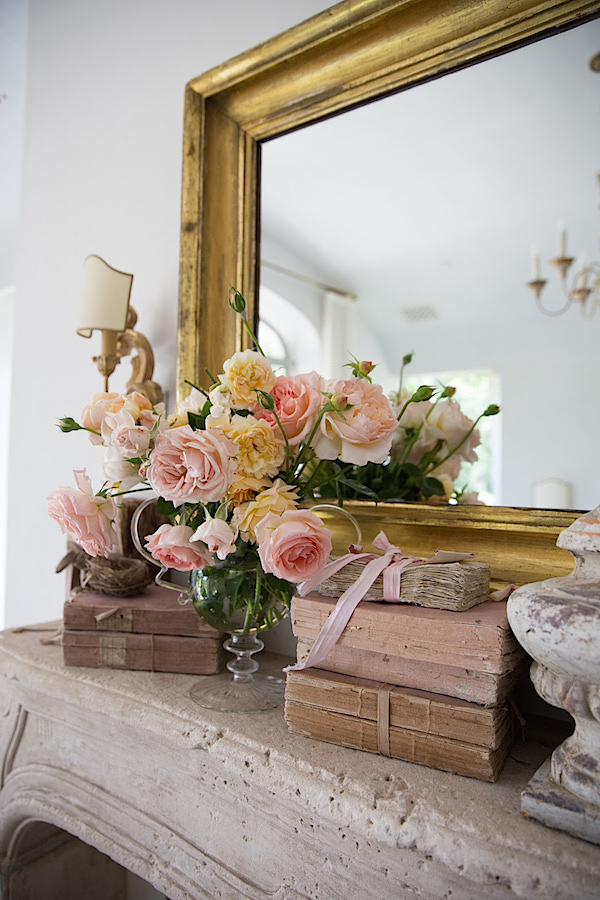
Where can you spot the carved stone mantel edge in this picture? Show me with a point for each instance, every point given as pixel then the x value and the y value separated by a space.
pixel 361 812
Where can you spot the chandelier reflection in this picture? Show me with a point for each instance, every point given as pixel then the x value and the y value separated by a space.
pixel 580 288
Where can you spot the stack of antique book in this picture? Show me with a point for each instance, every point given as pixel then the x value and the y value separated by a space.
pixel 151 631
pixel 429 683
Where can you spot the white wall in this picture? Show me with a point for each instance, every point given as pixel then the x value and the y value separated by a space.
pixel 101 174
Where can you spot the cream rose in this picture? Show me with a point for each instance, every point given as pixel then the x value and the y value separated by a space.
pixel 170 546
pixel 194 402
pixel 362 432
pixel 294 546
pixel 189 466
pixel 261 451
pixel 276 499
pixel 243 374
pixel 87 519
pixel 118 470
pixel 218 535
pixel 448 422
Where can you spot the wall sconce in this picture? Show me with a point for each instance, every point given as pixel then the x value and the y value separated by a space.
pixel 105 307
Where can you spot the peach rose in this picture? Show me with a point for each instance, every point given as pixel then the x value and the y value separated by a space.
pixel 189 466
pixel 363 431
pixel 298 400
pixel 293 546
pixel 218 535
pixel 127 412
pixel 87 519
pixel 93 414
pixel 171 547
pixel 260 450
pixel 246 372
pixel 276 499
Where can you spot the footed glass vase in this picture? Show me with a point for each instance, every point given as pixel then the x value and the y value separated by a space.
pixel 236 596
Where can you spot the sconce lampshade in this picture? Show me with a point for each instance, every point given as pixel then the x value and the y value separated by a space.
pixel 104 297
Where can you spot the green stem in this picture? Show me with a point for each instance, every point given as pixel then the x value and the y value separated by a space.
pixel 287 443
pixel 197 387
pixel 458 446
pixel 299 461
pixel 135 490
pixel 251 333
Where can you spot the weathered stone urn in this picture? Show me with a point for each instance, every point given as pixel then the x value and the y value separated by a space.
pixel 558 623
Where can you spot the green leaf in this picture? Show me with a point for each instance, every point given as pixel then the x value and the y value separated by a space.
pixel 197 421
pixel 165 507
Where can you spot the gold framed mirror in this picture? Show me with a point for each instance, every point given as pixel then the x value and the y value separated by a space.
pixel 351 54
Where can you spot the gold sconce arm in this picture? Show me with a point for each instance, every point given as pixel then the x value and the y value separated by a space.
pixel 142 363
pixel 118 344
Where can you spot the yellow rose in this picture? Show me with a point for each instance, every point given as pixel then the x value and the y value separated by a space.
pixel 261 449
pixel 277 499
pixel 244 374
pixel 246 487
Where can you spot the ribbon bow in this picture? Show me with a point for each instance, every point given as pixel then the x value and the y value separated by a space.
pixel 391 562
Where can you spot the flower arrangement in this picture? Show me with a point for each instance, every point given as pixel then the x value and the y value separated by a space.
pixel 230 468
pixel 431 441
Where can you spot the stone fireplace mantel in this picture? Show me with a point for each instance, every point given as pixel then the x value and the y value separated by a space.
pixel 212 805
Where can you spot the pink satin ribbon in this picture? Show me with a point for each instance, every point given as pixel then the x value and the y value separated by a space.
pixel 392 562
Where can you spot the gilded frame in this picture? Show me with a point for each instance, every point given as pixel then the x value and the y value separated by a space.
pixel 350 54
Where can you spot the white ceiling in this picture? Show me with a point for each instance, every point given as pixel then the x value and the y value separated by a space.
pixel 434 197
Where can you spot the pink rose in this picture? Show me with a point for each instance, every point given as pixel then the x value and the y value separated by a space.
pixel 293 546
pixel 470 498
pixel 171 547
pixel 360 433
pixel 189 466
pixel 298 400
pixel 87 519
pixel 133 439
pixel 218 535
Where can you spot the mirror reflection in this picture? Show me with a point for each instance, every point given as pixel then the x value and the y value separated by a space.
pixel 408 225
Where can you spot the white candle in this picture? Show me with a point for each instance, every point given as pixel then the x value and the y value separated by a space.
pixel 582 277
pixel 562 241
pixel 535 265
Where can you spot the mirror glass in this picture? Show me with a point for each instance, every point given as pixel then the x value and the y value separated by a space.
pixel 420 212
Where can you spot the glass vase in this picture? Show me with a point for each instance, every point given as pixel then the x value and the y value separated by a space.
pixel 236 596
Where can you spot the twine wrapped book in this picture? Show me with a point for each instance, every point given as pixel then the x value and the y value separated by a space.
pixel 447 580
pixel 441 732
pixel 452 585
